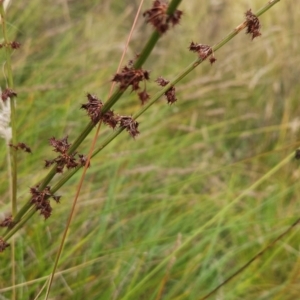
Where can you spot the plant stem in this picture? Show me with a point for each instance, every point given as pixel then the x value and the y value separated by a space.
pixel 10 85
pixel 12 152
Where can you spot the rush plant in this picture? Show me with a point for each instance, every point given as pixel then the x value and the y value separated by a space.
pixel 67 161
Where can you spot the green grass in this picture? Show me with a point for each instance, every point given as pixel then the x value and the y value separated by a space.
pixel 144 199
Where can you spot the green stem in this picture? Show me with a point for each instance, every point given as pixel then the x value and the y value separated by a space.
pixel 10 85
pixel 12 152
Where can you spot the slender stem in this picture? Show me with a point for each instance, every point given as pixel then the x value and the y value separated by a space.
pixel 12 151
pixel 10 85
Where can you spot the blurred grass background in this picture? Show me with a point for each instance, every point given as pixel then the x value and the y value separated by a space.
pixel 142 199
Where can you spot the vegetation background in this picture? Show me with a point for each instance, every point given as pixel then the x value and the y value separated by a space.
pixel 184 174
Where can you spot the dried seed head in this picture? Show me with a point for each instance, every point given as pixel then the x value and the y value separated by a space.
pixel 15 45
pixel 7 222
pixel 21 146
pixel 158 17
pixel 64 159
pixel 130 76
pixel 3 245
pixel 203 51
pixel 253 24
pixel 110 119
pixel 8 93
pixel 41 200
pixel 93 108
pixel 170 93
pixel 143 96
pixel 130 125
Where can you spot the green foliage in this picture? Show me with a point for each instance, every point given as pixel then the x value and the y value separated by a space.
pixel 143 199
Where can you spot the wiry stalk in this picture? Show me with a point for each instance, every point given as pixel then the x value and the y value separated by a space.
pixel 12 156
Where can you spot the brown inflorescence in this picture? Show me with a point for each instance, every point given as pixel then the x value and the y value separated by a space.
pixel 3 245
pixel 94 107
pixel 203 51
pixel 144 96
pixel 131 76
pixel 41 200
pixel 15 45
pixel 21 146
pixel 253 24
pixel 130 125
pixel 8 93
pixel 158 17
pixel 7 222
pixel 94 110
pixel 64 159
pixel 170 93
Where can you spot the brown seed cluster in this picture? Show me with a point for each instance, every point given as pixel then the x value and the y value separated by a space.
pixel 130 76
pixel 203 51
pixel 12 45
pixel 64 159
pixel 130 125
pixel 7 222
pixel 144 96
pixel 8 93
pixel 21 146
pixel 3 245
pixel 158 17
pixel 41 200
pixel 170 93
pixel 253 24
pixel 94 107
pixel 94 111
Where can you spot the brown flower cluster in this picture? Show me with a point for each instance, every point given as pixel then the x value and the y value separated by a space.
pixel 8 93
pixel 131 76
pixel 3 245
pixel 170 93
pixel 158 17
pixel 94 107
pixel 12 45
pixel 64 159
pixel 41 200
pixel 7 222
pixel 21 146
pixel 143 96
pixel 130 125
pixel 253 24
pixel 203 51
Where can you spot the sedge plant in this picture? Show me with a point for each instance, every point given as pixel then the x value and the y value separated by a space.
pixel 68 162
